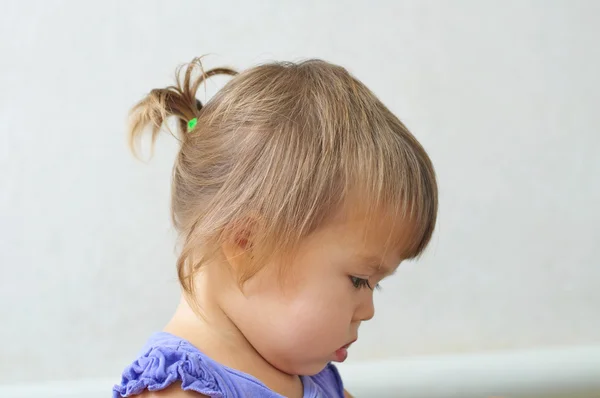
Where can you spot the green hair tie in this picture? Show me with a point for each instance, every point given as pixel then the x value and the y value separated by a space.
pixel 191 124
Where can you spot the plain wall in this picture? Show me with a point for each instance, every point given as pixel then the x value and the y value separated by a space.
pixel 504 96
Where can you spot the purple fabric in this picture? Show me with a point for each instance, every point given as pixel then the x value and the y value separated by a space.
pixel 166 359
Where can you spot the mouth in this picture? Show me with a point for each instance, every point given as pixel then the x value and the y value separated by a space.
pixel 342 353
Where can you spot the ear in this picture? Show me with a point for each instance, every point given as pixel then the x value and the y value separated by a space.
pixel 238 243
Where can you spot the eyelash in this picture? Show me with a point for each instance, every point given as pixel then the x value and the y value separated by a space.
pixel 360 283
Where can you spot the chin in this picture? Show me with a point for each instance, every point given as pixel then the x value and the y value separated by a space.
pixel 314 371
pixel 296 365
pixel 311 369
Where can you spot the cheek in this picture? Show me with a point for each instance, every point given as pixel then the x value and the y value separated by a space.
pixel 326 314
pixel 323 316
pixel 313 320
pixel 300 333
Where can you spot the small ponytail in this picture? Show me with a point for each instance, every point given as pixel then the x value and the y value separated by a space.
pixel 174 101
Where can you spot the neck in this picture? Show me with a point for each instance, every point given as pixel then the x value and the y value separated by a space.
pixel 204 323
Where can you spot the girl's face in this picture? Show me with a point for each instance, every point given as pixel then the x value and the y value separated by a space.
pixel 301 324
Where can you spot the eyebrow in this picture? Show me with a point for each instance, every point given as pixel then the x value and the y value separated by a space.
pixel 376 263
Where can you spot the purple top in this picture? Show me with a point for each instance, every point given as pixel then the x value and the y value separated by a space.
pixel 167 358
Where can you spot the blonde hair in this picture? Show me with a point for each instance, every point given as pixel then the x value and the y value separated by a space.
pixel 279 149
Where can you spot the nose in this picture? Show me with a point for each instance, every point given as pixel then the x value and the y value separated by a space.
pixel 366 309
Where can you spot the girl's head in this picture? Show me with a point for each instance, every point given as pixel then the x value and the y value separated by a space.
pixel 298 186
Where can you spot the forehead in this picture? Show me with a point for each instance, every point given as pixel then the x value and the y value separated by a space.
pixel 381 240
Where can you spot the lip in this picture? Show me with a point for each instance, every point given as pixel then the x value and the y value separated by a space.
pixel 342 353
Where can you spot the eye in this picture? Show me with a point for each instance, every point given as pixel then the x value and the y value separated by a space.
pixel 360 283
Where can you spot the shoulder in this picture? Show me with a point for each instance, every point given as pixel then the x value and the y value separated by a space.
pixel 171 367
pixel 173 391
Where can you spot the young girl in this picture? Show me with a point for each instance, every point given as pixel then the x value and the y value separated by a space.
pixel 295 192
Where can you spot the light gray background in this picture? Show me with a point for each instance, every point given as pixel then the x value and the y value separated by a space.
pixel 503 94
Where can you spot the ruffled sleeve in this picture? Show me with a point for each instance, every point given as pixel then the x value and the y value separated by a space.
pixel 159 367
